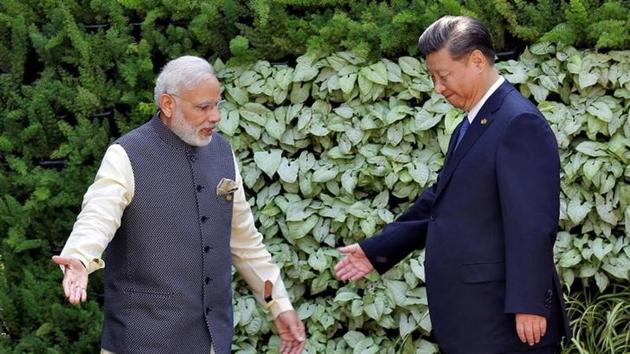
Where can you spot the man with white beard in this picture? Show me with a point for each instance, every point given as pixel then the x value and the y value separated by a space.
pixel 168 207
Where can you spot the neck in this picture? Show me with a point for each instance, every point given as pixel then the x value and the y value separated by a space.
pixel 486 79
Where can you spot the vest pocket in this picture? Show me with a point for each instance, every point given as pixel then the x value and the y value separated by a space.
pixel 483 272
pixel 150 316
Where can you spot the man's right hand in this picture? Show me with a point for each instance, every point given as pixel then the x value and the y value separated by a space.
pixel 75 279
pixel 355 265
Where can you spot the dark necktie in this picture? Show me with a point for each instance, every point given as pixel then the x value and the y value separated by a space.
pixel 462 131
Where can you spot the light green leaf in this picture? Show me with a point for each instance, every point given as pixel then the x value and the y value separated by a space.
pixel 304 72
pixel 601 280
pixel 577 211
pixel 346 82
pixel 229 124
pixel 406 325
pixel 269 162
pixel 586 79
pixel 600 110
pixel 376 73
pixel 288 171
pixel 410 66
pixel 299 229
pixel 425 120
pixel 325 174
pixel 591 148
pixel 353 338
pixel 239 95
pixel 570 258
pixel 318 261
pixel 346 296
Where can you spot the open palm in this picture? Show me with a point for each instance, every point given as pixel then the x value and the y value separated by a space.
pixel 355 265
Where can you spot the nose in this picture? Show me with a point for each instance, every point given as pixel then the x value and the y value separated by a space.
pixel 438 87
pixel 214 116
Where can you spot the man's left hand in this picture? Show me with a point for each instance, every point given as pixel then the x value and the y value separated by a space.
pixel 530 328
pixel 291 331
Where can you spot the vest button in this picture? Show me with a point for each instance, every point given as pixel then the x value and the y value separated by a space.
pixel 208 310
pixel 204 219
pixel 208 280
pixel 199 188
pixel 206 249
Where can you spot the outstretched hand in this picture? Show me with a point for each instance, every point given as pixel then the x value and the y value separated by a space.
pixel 75 279
pixel 291 331
pixel 355 265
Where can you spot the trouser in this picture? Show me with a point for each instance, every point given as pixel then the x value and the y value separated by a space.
pixel 105 351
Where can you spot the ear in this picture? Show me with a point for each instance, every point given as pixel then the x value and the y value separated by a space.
pixel 167 105
pixel 478 59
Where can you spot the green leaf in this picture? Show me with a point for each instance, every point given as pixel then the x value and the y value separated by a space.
pixel 269 162
pixel 230 122
pixel 577 211
pixel 346 296
pixel 288 171
pixel 346 82
pixel 570 258
pixel 318 261
pixel 591 148
pixel 376 73
pixel 410 66
pixel 601 280
pixel 353 338
pixel 304 72
pixel 600 110
pixel 425 120
pixel 299 229
pixel 325 174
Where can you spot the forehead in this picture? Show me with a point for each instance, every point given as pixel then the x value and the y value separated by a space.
pixel 208 86
pixel 440 61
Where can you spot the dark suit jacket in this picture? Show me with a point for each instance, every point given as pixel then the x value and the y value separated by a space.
pixel 488 224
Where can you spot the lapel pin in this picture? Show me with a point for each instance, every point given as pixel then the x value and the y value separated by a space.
pixel 484 121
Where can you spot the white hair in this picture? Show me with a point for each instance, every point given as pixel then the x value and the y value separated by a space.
pixel 182 73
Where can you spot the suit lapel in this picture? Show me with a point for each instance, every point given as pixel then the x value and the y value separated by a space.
pixel 480 125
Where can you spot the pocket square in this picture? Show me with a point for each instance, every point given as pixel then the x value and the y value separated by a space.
pixel 226 188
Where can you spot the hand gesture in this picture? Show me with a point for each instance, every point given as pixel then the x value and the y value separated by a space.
pixel 291 331
pixel 530 328
pixel 75 279
pixel 355 265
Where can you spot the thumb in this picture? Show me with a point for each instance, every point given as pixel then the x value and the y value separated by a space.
pixel 349 249
pixel 62 260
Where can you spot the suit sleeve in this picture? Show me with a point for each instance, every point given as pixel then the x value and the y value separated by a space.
pixel 401 237
pixel 528 175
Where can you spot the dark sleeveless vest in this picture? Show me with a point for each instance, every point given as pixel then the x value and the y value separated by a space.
pixel 168 274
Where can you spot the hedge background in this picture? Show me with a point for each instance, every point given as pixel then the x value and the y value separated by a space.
pixel 332 143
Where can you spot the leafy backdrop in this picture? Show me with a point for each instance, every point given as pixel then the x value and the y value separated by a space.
pixel 332 146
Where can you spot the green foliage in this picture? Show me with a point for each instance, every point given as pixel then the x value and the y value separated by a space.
pixel 601 323
pixel 332 147
pixel 335 147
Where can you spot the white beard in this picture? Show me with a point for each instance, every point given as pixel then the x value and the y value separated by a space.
pixel 187 132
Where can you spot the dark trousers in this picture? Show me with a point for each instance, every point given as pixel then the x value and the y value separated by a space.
pixel 552 349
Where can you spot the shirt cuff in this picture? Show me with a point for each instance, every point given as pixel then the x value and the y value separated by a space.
pixel 91 265
pixel 279 306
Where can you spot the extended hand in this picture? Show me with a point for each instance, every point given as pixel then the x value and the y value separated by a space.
pixel 291 331
pixel 530 328
pixel 75 279
pixel 355 265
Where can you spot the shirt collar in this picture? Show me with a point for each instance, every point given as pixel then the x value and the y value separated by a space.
pixel 476 108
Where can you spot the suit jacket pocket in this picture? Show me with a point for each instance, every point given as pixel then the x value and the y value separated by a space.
pixel 483 272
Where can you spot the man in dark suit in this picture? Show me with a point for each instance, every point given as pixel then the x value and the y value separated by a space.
pixel 489 222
